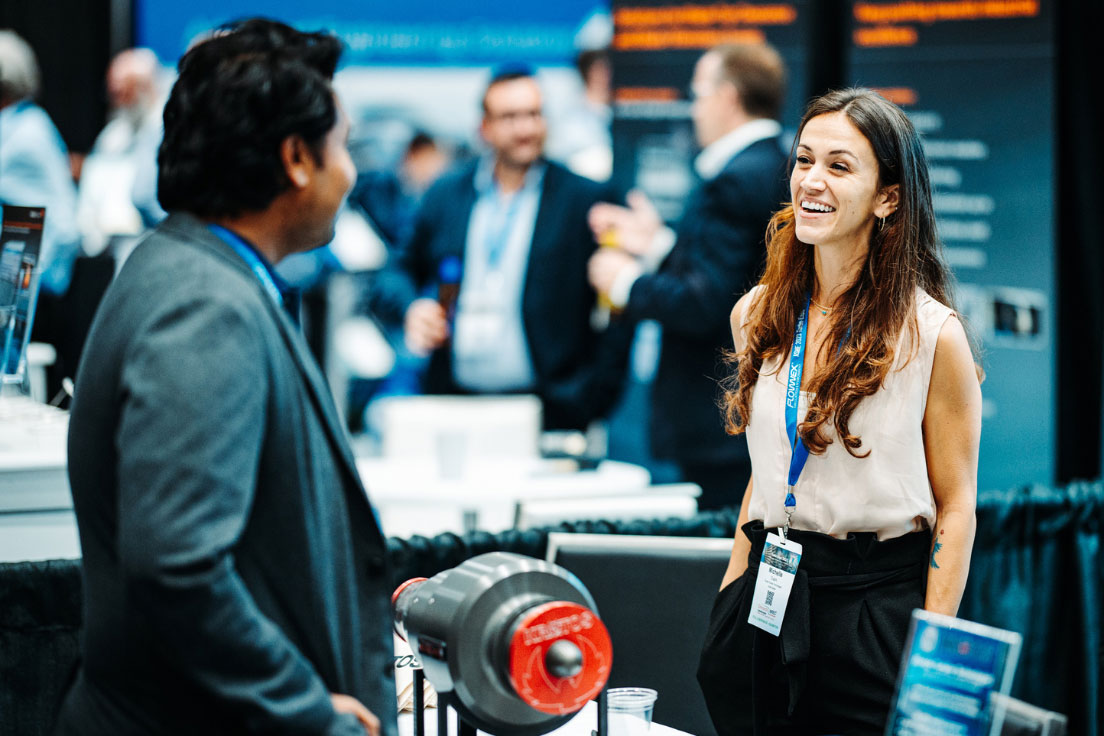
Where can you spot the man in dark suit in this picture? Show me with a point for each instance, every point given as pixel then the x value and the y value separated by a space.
pixel 688 280
pixel 507 235
pixel 235 578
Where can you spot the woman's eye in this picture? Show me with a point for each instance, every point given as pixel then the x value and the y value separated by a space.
pixel 804 160
pixel 840 167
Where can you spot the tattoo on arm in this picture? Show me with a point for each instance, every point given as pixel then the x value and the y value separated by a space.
pixel 936 546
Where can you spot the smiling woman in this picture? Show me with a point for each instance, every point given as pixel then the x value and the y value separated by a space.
pixel 863 423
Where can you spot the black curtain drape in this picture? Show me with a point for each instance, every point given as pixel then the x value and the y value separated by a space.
pixel 1037 569
pixel 1080 254
pixel 40 621
pixel 72 41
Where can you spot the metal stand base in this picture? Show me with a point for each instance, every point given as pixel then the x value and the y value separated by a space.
pixel 465 728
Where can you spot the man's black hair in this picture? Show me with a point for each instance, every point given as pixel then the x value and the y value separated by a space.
pixel 586 60
pixel 506 73
pixel 240 93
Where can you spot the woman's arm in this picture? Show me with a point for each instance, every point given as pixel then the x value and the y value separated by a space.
pixel 741 545
pixel 952 432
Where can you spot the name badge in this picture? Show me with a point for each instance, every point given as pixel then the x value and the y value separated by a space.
pixel 478 330
pixel 777 568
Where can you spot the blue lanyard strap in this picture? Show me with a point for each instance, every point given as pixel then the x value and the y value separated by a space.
pixel 495 239
pixel 793 396
pixel 251 259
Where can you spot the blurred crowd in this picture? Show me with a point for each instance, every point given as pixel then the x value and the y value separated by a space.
pixel 510 268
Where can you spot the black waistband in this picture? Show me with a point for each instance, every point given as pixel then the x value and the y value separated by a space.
pixel 859 554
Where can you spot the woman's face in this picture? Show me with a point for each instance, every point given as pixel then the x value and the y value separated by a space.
pixel 834 184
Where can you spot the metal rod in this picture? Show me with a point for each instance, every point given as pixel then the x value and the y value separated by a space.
pixel 442 717
pixel 603 714
pixel 419 702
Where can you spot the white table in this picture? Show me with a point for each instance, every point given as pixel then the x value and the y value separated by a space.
pixel 412 497
pixel 36 509
pixel 581 725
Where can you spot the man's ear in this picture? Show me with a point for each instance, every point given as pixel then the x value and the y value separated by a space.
pixel 730 93
pixel 297 161
pixel 889 199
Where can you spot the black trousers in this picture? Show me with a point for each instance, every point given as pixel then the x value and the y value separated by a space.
pixel 833 669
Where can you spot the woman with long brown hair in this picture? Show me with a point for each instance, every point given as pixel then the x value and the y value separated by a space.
pixel 856 385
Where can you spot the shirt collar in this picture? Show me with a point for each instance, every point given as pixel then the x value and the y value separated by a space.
pixel 484 176
pixel 713 157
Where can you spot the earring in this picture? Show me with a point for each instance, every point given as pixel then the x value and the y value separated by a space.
pixel 881 224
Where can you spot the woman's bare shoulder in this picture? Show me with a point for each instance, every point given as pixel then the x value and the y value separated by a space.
pixel 738 319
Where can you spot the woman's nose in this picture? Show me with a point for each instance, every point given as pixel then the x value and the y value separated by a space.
pixel 813 179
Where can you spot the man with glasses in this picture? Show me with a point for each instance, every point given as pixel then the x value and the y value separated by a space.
pixel 492 282
pixel 689 278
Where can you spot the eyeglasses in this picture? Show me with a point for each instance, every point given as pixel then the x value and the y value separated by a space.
pixel 516 116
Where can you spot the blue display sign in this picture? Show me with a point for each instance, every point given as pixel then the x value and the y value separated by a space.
pixel 414 32
pixel 977 81
pixel 951 670
pixel 20 240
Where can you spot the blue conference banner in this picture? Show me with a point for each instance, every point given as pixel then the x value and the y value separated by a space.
pixel 977 80
pixel 409 33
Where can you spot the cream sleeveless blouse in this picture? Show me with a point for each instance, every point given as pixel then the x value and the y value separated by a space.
pixel 887 492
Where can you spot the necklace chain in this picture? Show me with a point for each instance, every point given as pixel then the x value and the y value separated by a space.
pixel 823 309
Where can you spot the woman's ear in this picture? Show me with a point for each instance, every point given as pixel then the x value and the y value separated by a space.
pixel 889 199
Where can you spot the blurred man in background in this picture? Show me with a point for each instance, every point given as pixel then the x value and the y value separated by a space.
pixel 504 242
pixel 688 279
pixel 235 576
pixel 117 191
pixel 34 163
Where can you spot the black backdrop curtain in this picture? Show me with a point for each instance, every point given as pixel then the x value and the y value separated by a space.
pixel 1080 241
pixel 72 40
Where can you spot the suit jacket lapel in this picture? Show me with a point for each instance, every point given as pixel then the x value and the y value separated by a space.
pixel 546 231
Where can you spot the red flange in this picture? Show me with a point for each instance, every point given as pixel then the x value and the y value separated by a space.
pixel 404 586
pixel 398 613
pixel 540 628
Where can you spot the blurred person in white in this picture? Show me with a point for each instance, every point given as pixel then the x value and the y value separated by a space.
pixel 117 199
pixel 34 162
pixel 581 138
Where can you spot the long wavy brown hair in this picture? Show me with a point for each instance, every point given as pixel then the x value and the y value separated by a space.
pixel 871 317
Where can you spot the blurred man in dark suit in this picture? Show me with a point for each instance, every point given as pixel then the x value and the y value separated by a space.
pixel 504 242
pixel 235 578
pixel 688 279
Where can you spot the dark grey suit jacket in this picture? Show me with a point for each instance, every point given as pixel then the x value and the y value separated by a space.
pixel 234 571
pixel 718 256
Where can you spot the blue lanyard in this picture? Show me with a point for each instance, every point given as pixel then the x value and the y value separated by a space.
pixel 495 239
pixel 793 397
pixel 251 259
